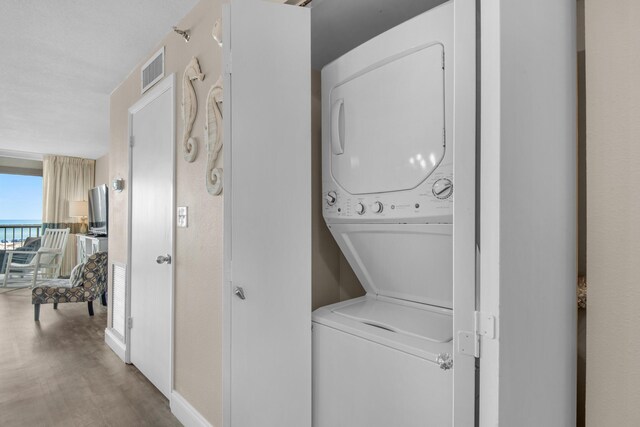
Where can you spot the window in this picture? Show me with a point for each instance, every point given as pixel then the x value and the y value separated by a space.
pixel 20 209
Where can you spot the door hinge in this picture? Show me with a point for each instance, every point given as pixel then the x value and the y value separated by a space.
pixel 484 326
pixel 129 322
pixel 228 63
pixel 131 140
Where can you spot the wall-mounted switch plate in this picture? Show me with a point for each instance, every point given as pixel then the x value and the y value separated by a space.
pixel 182 216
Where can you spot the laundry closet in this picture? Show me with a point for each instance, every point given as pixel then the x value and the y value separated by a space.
pixel 433 166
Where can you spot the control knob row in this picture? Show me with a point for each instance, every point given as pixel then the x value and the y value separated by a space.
pixel 378 207
pixel 332 197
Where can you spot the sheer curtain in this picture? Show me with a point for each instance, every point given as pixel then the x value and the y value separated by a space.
pixel 65 179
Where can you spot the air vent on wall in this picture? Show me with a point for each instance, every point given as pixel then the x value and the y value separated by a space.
pixel 119 284
pixel 153 70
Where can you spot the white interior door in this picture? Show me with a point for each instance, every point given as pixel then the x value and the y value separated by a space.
pixel 151 233
pixel 268 216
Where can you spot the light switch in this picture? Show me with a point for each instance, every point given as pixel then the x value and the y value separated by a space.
pixel 182 216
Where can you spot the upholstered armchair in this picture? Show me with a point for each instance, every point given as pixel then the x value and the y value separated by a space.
pixel 87 283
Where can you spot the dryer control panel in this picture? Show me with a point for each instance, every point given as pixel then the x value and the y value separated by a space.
pixel 431 202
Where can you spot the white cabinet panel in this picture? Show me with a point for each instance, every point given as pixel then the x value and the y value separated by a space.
pixel 268 218
pixel 89 245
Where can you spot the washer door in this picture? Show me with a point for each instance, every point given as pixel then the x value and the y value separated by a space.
pixel 387 123
pixel 412 262
pixel 423 323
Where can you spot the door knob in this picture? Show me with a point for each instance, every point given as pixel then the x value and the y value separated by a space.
pixel 164 259
pixel 239 292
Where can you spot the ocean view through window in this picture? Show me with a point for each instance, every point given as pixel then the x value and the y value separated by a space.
pixel 20 209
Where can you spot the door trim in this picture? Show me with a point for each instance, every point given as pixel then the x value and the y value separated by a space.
pixel 464 209
pixel 167 84
pixel 226 233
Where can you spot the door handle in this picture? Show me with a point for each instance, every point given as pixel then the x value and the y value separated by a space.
pixel 239 292
pixel 164 259
pixel 337 127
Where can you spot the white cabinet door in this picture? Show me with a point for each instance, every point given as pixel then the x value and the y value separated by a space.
pixel 268 215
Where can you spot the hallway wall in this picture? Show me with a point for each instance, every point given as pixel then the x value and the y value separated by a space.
pixel 613 209
pixel 102 171
pixel 198 250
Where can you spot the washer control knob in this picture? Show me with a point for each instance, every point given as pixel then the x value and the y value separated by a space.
pixel 378 207
pixel 331 198
pixel 443 188
pixel 359 208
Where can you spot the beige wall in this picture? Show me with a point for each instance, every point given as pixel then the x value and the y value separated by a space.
pixel 102 171
pixel 325 271
pixel 613 210
pixel 333 279
pixel 198 255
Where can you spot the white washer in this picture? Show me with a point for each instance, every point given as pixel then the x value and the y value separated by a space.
pixel 377 359
pixel 381 360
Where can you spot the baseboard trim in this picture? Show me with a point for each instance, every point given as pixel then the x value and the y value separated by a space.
pixel 185 413
pixel 114 342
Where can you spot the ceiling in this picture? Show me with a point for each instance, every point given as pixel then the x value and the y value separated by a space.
pixel 60 62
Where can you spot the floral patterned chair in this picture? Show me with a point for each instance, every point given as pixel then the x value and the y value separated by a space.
pixel 87 283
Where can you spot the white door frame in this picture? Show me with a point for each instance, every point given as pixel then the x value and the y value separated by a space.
pixel 226 233
pixel 167 84
pixel 464 209
pixel 515 83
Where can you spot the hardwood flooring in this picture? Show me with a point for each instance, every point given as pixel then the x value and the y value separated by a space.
pixel 60 372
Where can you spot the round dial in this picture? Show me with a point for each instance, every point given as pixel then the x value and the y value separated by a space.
pixel 378 207
pixel 331 198
pixel 359 208
pixel 443 188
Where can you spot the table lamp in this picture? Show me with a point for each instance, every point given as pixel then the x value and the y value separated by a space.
pixel 78 209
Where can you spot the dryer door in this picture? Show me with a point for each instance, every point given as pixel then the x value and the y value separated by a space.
pixel 387 123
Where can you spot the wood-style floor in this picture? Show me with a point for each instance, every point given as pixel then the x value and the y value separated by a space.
pixel 60 372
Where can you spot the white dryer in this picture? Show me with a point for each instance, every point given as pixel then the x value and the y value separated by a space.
pixel 387 126
pixel 385 359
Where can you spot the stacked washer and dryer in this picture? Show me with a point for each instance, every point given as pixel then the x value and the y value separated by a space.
pixel 384 359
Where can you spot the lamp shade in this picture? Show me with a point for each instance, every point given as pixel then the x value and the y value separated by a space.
pixel 78 209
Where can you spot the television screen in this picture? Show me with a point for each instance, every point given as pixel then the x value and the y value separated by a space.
pixel 98 210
